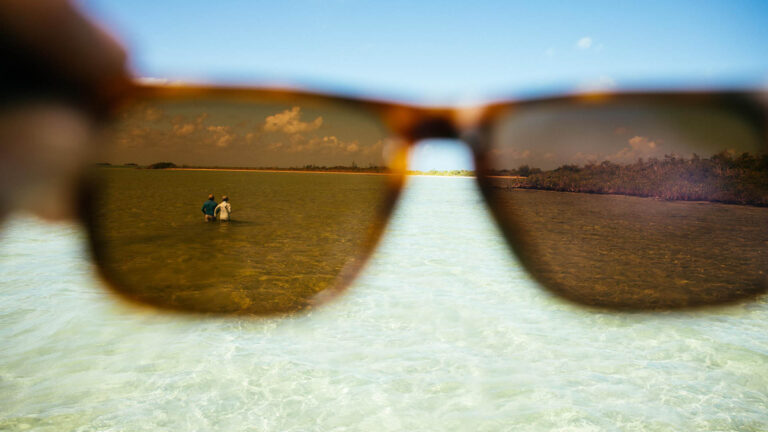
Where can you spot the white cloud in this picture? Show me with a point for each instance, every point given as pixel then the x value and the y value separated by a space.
pixel 161 81
pixel 184 129
pixel 637 147
pixel 289 122
pixel 153 80
pixel 219 129
pixel 221 135
pixel 640 143
pixel 224 140
pixel 601 83
pixel 153 114
pixel 298 137
pixel 181 129
pixel 327 144
pixel 584 43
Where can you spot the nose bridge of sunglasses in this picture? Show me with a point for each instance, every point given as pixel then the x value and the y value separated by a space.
pixel 416 123
pixel 441 128
pixel 433 126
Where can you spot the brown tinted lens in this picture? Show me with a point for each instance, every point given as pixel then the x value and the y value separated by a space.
pixel 308 188
pixel 639 204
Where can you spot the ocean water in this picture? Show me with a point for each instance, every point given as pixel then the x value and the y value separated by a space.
pixel 290 236
pixel 639 252
pixel 442 331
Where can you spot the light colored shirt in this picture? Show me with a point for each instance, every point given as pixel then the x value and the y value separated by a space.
pixel 223 210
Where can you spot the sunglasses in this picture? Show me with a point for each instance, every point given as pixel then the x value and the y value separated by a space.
pixel 635 201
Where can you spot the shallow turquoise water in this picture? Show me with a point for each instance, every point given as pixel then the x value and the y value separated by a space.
pixel 443 331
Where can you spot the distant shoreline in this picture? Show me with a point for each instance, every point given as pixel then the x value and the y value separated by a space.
pixel 371 170
pixel 303 171
pixel 445 174
pixel 725 177
pixel 278 171
pixel 519 183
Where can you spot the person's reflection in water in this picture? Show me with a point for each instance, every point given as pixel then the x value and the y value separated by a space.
pixel 223 210
pixel 209 207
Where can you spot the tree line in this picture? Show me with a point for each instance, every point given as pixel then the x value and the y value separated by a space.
pixel 724 177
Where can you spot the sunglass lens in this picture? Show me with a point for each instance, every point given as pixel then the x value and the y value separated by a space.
pixel 308 185
pixel 635 204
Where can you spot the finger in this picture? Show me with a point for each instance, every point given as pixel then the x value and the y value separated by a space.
pixel 57 44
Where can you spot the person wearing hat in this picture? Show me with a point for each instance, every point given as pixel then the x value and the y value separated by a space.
pixel 209 209
pixel 224 209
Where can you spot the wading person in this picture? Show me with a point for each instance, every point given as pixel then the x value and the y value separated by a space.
pixel 223 210
pixel 208 209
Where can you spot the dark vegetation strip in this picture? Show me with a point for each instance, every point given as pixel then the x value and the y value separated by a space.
pixel 451 173
pixel 310 168
pixel 724 177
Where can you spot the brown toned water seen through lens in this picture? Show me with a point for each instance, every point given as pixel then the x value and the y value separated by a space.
pixel 308 184
pixel 634 252
pixel 289 238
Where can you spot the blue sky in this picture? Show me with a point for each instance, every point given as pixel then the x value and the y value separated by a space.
pixel 446 51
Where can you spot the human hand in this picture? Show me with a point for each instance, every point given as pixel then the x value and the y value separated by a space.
pixel 64 72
